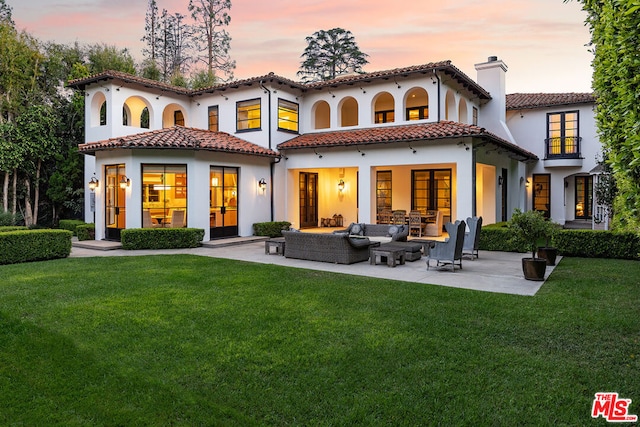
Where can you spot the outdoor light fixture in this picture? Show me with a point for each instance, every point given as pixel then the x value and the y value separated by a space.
pixel 125 182
pixel 500 180
pixel 93 183
pixel 528 184
pixel 340 185
pixel 262 184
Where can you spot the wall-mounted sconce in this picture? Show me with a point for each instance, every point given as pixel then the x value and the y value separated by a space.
pixel 93 183
pixel 262 184
pixel 361 153
pixel 528 184
pixel 500 180
pixel 125 182
pixel 412 149
pixel 317 154
pixel 340 185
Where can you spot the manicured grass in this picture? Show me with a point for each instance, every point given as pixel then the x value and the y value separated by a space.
pixel 186 340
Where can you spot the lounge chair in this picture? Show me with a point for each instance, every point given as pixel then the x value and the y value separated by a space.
pixel 434 229
pixel 472 238
pixel 449 251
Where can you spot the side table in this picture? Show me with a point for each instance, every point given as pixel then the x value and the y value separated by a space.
pixel 393 255
pixel 277 243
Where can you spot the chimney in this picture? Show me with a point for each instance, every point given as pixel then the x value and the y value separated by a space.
pixel 491 76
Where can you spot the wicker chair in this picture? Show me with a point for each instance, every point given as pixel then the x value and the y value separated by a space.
pixel 399 216
pixel 415 222
pixel 449 251
pixel 385 217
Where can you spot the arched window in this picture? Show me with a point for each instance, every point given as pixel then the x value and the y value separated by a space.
pixel 98 109
pixel 349 112
pixel 450 106
pixel 321 115
pixel 137 112
pixel 103 114
pixel 144 118
pixel 384 108
pixel 462 111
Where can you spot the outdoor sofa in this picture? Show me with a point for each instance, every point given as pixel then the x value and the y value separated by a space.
pixel 379 232
pixel 326 247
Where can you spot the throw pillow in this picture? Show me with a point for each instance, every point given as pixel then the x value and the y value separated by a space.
pixel 356 229
pixel 393 230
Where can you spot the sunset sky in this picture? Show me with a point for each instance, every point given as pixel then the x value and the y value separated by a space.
pixel 541 41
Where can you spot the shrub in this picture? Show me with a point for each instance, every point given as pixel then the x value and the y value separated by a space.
pixel 271 229
pixel 498 237
pixel 598 244
pixel 7 218
pixel 70 224
pixel 161 238
pixel 530 227
pixel 4 229
pixel 86 231
pixel 34 245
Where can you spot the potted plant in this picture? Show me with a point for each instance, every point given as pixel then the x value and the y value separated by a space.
pixel 547 251
pixel 530 226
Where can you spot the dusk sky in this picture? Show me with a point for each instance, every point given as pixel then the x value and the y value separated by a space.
pixel 541 41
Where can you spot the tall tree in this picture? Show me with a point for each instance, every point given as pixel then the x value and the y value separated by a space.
pixel 102 57
pixel 173 46
pixel 6 12
pixel 152 39
pixel 329 54
pixel 615 39
pixel 212 40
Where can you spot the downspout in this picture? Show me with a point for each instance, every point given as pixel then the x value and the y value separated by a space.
pixel 438 80
pixel 271 165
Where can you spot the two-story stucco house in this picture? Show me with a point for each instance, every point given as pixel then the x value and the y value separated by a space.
pixel 422 138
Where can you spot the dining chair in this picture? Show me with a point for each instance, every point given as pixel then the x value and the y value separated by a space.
pixel 399 216
pixel 177 219
pixel 415 222
pixel 385 217
pixel 434 229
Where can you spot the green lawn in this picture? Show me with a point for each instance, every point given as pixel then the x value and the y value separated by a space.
pixel 187 340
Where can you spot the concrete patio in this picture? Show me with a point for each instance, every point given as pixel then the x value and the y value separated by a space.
pixel 499 272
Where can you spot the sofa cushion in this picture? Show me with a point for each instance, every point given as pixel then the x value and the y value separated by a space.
pixel 393 229
pixel 357 229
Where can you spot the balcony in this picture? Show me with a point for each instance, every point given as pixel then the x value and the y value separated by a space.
pixel 563 152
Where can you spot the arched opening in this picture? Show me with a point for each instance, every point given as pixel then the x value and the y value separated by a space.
pixel 417 104
pixel 384 108
pixel 321 115
pixel 463 112
pixel 349 112
pixel 134 114
pixel 98 109
pixel 173 114
pixel 450 106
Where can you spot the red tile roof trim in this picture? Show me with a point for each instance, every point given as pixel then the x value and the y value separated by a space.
pixel 179 137
pixel 403 133
pixel 527 101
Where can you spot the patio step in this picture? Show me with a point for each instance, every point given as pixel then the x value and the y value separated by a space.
pixel 579 224
pixel 233 241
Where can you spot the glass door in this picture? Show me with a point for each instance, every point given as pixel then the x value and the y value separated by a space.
pixel 115 201
pixel 542 194
pixel 308 199
pixel 584 197
pixel 223 202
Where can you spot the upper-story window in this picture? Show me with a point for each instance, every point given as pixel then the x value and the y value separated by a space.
pixel 103 114
pixel 563 139
pixel 213 118
pixel 287 115
pixel 248 115
pixel 475 116
pixel 384 108
pixel 178 118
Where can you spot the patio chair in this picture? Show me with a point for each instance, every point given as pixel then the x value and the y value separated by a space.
pixel 147 221
pixel 434 229
pixel 177 219
pixel 415 222
pixel 472 238
pixel 385 217
pixel 399 216
pixel 449 251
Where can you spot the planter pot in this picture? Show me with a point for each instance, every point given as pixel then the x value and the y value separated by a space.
pixel 534 268
pixel 549 254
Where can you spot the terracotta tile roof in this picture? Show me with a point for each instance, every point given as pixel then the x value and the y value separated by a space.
pixel 404 133
pixel 443 66
pixel 179 137
pixel 523 101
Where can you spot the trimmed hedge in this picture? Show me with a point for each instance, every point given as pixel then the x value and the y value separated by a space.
pixel 34 245
pixel 271 229
pixel 598 244
pixel 498 237
pixel 161 238
pixel 8 228
pixel 70 224
pixel 86 231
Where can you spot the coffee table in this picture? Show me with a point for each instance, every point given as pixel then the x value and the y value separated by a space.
pixel 394 255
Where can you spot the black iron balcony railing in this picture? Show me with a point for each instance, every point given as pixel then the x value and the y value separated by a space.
pixel 567 147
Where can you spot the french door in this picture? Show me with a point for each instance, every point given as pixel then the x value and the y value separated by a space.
pixel 584 197
pixel 223 202
pixel 542 194
pixel 115 201
pixel 308 190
